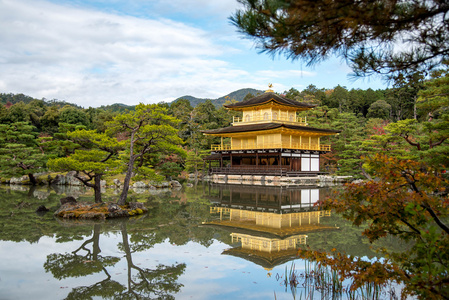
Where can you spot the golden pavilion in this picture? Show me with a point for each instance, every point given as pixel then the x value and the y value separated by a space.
pixel 269 139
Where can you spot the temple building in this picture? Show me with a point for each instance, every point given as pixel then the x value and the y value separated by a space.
pixel 269 139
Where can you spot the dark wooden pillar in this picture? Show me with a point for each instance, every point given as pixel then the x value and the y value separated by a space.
pixel 280 161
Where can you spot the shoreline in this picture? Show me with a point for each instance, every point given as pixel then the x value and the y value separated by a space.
pixel 141 186
pixel 324 180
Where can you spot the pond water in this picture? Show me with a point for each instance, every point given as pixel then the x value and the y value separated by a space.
pixel 204 242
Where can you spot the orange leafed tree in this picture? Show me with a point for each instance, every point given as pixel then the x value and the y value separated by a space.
pixel 406 199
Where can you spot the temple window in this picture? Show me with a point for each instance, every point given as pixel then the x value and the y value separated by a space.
pixel 265 116
pixel 247 118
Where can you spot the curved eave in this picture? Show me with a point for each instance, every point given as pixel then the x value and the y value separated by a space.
pixel 267 260
pixel 265 99
pixel 271 102
pixel 246 130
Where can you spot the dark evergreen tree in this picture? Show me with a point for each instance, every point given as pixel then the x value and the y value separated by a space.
pixel 367 34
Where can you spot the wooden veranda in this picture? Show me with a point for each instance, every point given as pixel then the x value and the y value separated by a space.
pixel 262 170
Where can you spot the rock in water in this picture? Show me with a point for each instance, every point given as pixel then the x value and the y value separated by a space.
pixel 42 208
pixel 68 199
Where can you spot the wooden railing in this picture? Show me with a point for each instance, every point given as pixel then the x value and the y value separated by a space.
pixel 220 147
pixel 253 170
pixel 253 146
pixel 270 118
pixel 325 213
pixel 274 170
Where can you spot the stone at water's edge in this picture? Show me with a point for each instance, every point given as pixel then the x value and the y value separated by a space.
pixel 68 199
pixel 278 180
pixel 140 184
pixel 175 183
pixel 136 205
pixel 113 207
pixel 42 208
pixel 68 179
pixel 115 211
pixel 19 180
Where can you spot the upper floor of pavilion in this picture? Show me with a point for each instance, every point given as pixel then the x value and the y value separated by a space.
pixel 269 107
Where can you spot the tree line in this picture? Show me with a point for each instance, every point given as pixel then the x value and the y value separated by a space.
pixel 37 130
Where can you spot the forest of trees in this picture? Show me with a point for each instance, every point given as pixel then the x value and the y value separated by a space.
pixel 371 121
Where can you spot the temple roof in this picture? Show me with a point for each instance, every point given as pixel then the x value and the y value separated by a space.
pixel 266 260
pixel 253 229
pixel 213 157
pixel 266 98
pixel 267 126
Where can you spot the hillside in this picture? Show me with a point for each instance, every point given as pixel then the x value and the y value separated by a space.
pixel 236 95
pixel 11 98
pixel 119 107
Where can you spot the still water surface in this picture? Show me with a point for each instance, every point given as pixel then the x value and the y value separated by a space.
pixel 203 242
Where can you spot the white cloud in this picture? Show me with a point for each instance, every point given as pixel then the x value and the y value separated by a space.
pixel 130 51
pixel 95 58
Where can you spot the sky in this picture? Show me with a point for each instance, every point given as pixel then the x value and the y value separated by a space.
pixel 100 52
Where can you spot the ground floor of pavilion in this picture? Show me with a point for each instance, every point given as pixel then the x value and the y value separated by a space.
pixel 279 162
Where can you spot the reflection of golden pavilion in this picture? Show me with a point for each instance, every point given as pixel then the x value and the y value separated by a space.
pixel 264 244
pixel 266 252
pixel 267 198
pixel 266 238
pixel 268 223
pixel 281 225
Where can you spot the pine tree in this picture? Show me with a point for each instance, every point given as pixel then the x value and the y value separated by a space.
pixel 96 156
pixel 20 151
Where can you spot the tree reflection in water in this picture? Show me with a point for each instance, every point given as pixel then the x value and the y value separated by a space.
pixel 159 282
pixel 108 260
pixel 142 283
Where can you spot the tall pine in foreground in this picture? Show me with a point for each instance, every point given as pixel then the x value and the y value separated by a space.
pixel 97 155
pixel 149 129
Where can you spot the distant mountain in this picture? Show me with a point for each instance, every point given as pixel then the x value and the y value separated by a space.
pixel 193 100
pixel 16 98
pixel 236 95
pixel 120 107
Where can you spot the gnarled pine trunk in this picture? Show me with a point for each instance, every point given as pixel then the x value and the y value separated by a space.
pixel 129 172
pixel 32 179
pixel 97 188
